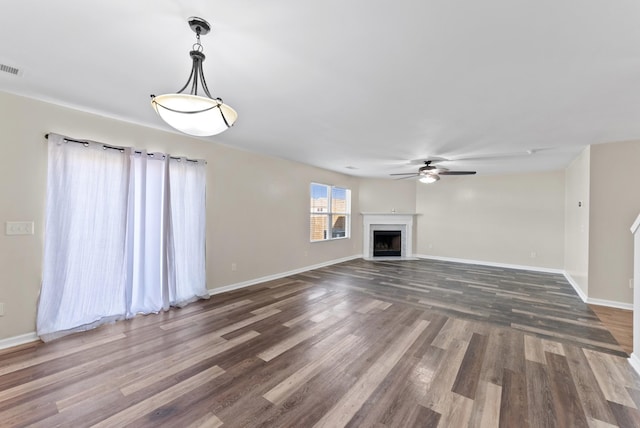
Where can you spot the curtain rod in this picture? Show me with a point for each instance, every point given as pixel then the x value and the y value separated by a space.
pixel 106 146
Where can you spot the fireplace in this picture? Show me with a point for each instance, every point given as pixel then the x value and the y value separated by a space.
pixel 387 243
pixel 391 245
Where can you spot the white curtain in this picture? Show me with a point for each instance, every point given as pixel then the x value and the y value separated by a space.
pixel 124 235
pixel 186 260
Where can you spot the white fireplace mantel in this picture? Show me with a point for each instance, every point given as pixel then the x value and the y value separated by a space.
pixel 388 221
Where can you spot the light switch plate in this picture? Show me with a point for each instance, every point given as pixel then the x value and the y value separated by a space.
pixel 18 228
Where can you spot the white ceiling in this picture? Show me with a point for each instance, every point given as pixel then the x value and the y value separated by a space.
pixel 361 86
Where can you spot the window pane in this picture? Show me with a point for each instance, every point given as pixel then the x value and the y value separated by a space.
pixel 339 227
pixel 339 200
pixel 319 227
pixel 319 198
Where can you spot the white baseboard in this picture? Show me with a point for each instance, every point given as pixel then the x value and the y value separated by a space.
pixel 610 303
pixel 576 287
pixel 635 362
pixel 239 285
pixel 492 264
pixel 594 301
pixel 18 340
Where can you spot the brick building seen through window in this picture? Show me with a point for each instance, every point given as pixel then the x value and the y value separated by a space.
pixel 330 212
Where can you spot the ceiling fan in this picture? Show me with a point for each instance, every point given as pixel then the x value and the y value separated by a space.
pixel 430 173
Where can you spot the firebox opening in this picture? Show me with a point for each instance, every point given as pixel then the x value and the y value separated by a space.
pixel 387 243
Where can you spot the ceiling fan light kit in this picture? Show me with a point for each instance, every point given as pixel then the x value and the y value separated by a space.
pixel 191 113
pixel 430 173
pixel 429 178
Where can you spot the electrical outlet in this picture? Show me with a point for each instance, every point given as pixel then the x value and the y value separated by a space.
pixel 18 228
pixel 1 309
pixel 630 282
pixel 533 254
pixel 234 267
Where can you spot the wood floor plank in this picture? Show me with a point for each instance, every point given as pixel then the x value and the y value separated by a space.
pixel 612 347
pixel 469 372
pixel 514 411
pixel 569 411
pixel 625 416
pixel 424 418
pixel 394 402
pixel 486 412
pixel 262 315
pixel 281 391
pixel 163 370
pixel 540 398
pixel 595 423
pixel 99 392
pixel 40 359
pixel 438 395
pixel 204 315
pixel 534 350
pixel 458 413
pixel 344 410
pixel 207 421
pixel 454 329
pixel 609 380
pixel 299 337
pixel 593 400
pixel 360 343
pixel 502 354
pixel 132 413
pixel 67 373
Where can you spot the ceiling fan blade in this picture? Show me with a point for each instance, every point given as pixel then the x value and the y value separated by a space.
pixel 405 173
pixel 430 159
pixel 491 156
pixel 486 156
pixel 456 172
pixel 409 176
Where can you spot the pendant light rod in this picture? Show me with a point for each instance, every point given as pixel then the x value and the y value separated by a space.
pixel 200 27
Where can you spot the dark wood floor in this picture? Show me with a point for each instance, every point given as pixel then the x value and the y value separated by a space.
pixel 371 344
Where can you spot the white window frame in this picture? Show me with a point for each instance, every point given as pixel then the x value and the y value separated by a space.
pixel 330 215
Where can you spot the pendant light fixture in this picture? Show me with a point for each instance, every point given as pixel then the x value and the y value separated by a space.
pixel 191 113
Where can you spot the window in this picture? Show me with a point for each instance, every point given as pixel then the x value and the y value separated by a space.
pixel 330 212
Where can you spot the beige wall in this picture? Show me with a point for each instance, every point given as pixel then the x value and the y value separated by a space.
pixel 615 204
pixel 257 207
pixel 383 196
pixel 498 219
pixel 576 229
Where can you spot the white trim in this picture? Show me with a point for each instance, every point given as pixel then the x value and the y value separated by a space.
pixel 389 213
pixel 239 285
pixel 610 303
pixel 10 342
pixel 635 362
pixel 576 287
pixel 492 264
pixel 636 225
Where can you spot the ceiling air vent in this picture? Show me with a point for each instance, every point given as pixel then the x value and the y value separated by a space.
pixel 11 70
